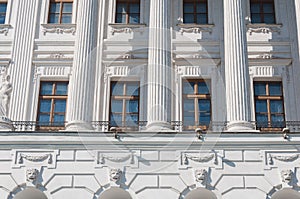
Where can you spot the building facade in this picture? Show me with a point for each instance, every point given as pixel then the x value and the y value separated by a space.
pixel 150 98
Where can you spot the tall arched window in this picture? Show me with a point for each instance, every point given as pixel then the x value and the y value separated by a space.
pixel 286 193
pixel 115 193
pixel 200 193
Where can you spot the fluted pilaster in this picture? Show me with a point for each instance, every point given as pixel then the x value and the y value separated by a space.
pixel 20 69
pixel 236 67
pixel 82 80
pixel 159 67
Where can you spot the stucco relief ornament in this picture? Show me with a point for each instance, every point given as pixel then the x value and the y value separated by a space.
pixel 31 175
pixel 201 176
pixel 115 175
pixel 286 176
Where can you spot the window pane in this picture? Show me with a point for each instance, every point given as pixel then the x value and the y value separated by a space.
pixel 276 106
pixel 131 119
pixel 2 19
pixel 268 8
pixel 45 106
pixel 204 105
pixel 201 8
pixel 3 7
pixel 203 88
pixel 117 106
pixel 134 8
pixel 66 18
pixel 44 118
pixel 46 88
pixel 59 120
pixel 188 87
pixel 255 8
pixel 275 89
pixel 119 18
pixel 188 8
pixel 188 105
pixel 59 105
pixel 132 89
pixel 132 106
pixel 116 120
pixel 55 7
pixel 259 89
pixel 204 119
pixel 201 19
pixel 61 88
pixel 262 120
pixel 117 88
pixel 261 106
pixel 256 18
pixel 269 18
pixel 67 7
pixel 189 118
pixel 188 18
pixel 134 18
pixel 121 8
pixel 277 121
pixel 54 18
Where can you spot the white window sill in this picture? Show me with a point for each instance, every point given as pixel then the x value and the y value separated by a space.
pixel 126 28
pixel 59 28
pixel 263 28
pixel 195 28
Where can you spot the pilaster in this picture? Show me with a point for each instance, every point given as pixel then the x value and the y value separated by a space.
pixel 80 101
pixel 236 67
pixel 159 67
pixel 20 69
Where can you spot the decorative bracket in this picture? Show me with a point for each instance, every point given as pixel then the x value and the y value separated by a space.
pixel 59 28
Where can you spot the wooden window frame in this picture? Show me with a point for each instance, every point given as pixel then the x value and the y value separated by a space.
pixel 269 98
pixel 261 12
pixel 196 97
pixel 60 11
pixel 195 10
pixel 128 2
pixel 124 98
pixel 51 97
pixel 4 13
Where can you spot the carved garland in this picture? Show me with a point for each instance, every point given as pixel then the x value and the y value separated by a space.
pixel 265 30
pixel 116 158
pixel 195 30
pixel 282 158
pixel 35 158
pixel 201 159
pixel 4 31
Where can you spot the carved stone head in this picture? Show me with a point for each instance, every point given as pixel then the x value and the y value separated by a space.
pixel 286 175
pixel 31 175
pixel 115 175
pixel 201 175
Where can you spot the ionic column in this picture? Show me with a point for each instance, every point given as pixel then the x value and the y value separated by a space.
pixel 159 67
pixel 236 67
pixel 80 100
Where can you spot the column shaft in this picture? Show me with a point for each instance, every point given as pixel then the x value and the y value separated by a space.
pixel 159 67
pixel 82 80
pixel 236 67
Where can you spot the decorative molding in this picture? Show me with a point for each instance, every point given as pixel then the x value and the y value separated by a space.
pixel 59 28
pixel 127 28
pixel 56 56
pixel 197 158
pixel 115 175
pixel 4 29
pixel 56 71
pixel 264 28
pixel 116 158
pixel 31 174
pixel 35 158
pixel 195 28
pixel 289 158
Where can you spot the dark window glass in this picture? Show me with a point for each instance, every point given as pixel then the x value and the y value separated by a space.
pixel 3 8
pixel 124 104
pixel 195 11
pixel 262 11
pixel 60 11
pixel 196 104
pixel 128 11
pixel 269 109
pixel 52 104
